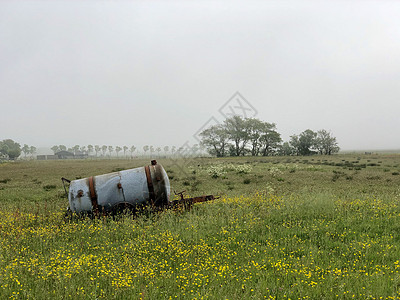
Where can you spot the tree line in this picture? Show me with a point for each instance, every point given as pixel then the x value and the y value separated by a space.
pixel 107 150
pixel 89 149
pixel 238 136
pixel 11 150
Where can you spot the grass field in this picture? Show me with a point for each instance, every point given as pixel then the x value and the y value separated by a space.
pixel 315 227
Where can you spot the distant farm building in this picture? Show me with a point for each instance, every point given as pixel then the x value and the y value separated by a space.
pixel 64 155
pixel 46 157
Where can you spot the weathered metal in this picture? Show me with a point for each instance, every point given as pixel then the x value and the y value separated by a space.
pixel 128 189
pixel 187 203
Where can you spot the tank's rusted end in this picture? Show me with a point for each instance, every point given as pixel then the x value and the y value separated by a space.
pixel 158 184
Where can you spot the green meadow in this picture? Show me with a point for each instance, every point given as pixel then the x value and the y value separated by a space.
pixel 317 227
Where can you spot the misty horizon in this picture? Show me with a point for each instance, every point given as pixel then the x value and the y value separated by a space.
pixel 154 73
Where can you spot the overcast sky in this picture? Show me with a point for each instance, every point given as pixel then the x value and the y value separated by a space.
pixel 154 72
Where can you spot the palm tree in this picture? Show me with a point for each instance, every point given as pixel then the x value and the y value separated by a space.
pixel 104 149
pixel 132 149
pixel 151 150
pixel 118 149
pixel 110 149
pixel 96 149
pixel 90 149
pixel 145 149
pixel 125 149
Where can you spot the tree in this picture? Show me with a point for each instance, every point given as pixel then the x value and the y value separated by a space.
pixel 32 150
pixel 255 128
pixel 25 149
pixel 295 144
pixel 62 147
pixel 215 139
pixel 270 139
pixel 263 137
pixel 146 148
pixel 238 132
pixel 104 150
pixel 307 141
pixel 118 149
pixel 151 150
pixel 132 149
pixel 166 149
pixel 90 149
pixel 55 149
pixel 10 148
pixel 158 149
pixel 75 149
pixel 326 143
pixel 304 144
pixel 97 149
pixel 286 149
pixel 110 150
pixel 125 149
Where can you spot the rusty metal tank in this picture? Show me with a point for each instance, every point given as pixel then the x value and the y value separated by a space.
pixel 123 189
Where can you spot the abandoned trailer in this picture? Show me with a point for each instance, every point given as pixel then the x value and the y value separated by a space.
pixel 127 189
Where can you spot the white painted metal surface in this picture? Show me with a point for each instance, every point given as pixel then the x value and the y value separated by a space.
pixel 129 187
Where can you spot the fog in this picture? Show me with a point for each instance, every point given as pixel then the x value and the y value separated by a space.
pixel 155 72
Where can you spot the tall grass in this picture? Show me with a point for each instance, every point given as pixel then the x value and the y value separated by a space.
pixel 305 237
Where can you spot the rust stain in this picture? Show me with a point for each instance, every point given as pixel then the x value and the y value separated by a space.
pixel 149 184
pixel 93 195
